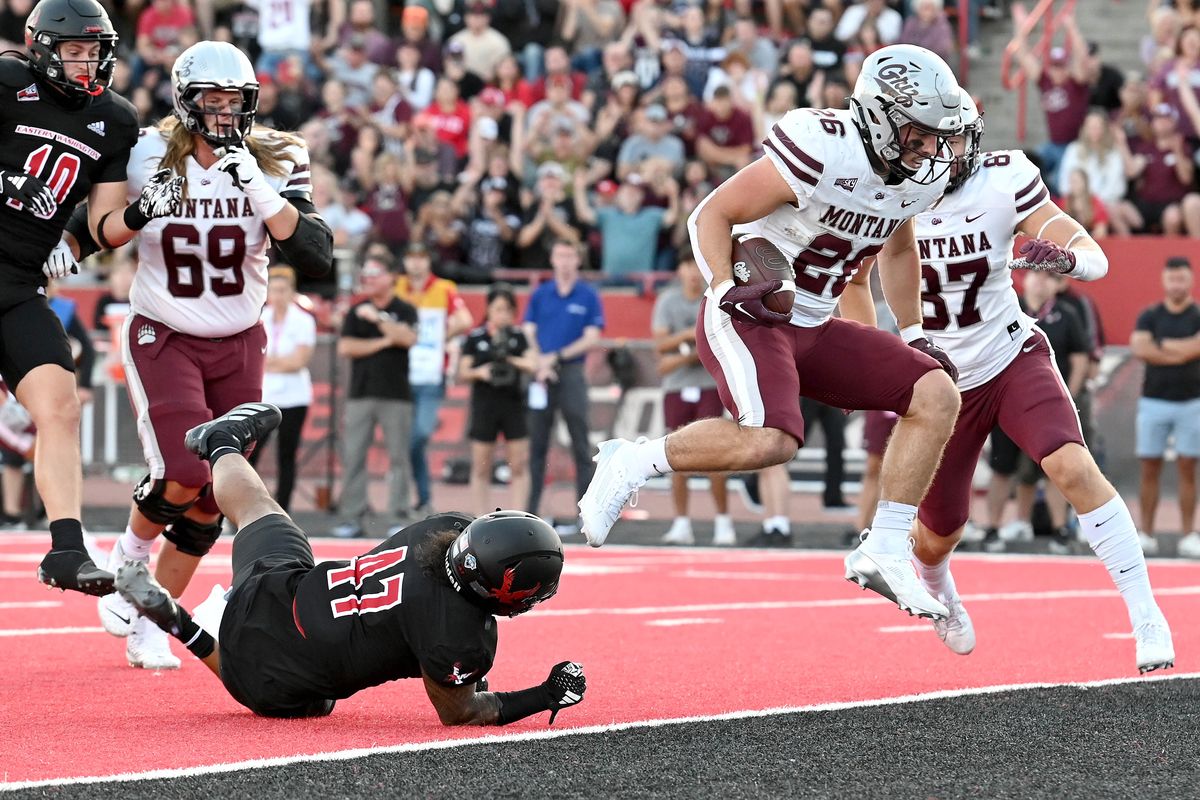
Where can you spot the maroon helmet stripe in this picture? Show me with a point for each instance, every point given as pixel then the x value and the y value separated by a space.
pixel 800 174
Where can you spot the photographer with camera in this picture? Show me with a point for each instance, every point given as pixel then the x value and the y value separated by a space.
pixel 495 359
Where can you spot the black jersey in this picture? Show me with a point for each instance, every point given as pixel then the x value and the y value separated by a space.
pixel 292 635
pixel 70 144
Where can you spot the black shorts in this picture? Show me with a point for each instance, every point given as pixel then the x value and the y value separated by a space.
pixel 273 541
pixel 491 416
pixel 31 335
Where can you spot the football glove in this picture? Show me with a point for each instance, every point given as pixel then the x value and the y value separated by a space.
pixel 61 262
pixel 745 303
pixel 242 167
pixel 564 687
pixel 32 194
pixel 1043 255
pixel 162 195
pixel 937 354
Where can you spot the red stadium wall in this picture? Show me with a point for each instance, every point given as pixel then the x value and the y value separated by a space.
pixel 1133 282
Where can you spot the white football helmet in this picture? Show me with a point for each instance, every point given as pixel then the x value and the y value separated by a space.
pixel 899 85
pixel 972 133
pixel 214 65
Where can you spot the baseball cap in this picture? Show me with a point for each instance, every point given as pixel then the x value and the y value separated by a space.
pixel 479 7
pixel 416 248
pixel 625 77
pixel 414 15
pixel 607 187
pixel 672 44
pixel 495 184
pixel 656 113
pixel 491 96
pixel 455 49
pixel 1058 55
pixel 552 169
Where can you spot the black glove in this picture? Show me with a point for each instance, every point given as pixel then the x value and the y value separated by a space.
pixel 1043 255
pixel 564 687
pixel 937 354
pixel 33 195
pixel 745 303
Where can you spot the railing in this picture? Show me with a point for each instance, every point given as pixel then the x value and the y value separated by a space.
pixel 1024 23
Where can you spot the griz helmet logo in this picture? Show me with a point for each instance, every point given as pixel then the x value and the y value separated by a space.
pixel 895 77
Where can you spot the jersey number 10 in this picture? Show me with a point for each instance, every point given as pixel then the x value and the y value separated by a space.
pixel 62 175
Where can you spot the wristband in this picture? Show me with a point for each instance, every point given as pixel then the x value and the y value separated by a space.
pixel 721 288
pixel 1090 264
pixel 134 219
pixel 910 333
pixel 519 705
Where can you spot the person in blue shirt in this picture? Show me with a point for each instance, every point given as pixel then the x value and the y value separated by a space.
pixel 564 317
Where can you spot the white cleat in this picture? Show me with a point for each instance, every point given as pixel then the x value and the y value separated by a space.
pixel 1148 543
pixel 149 647
pixel 893 577
pixel 614 483
pixel 1154 647
pixel 956 631
pixel 1189 546
pixel 117 614
pixel 680 532
pixel 724 534
pixel 1016 531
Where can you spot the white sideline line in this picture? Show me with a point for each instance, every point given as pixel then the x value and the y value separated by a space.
pixel 29 604
pixel 673 623
pixel 46 631
pixel 541 735
pixel 905 628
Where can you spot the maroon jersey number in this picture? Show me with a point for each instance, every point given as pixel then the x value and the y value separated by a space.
pixel 374 568
pixel 975 272
pixel 225 249
pixel 829 252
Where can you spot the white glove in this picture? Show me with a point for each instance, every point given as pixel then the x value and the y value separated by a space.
pixel 29 192
pixel 161 196
pixel 61 262
pixel 248 176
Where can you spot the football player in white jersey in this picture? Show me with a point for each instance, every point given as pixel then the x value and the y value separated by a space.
pixel 193 345
pixel 833 187
pixel 1008 376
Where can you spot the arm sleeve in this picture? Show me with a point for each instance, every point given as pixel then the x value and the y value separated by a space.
pixel 87 356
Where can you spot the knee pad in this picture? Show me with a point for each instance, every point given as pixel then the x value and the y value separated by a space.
pixel 193 538
pixel 148 497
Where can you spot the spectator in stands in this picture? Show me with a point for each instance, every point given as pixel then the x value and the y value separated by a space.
pixel 1084 207
pixel 761 52
pixel 928 27
pixel 565 318
pixel 629 230
pixel 483 46
pixel 387 203
pixel 781 98
pixel 389 112
pixel 828 50
pixel 414 31
pixel 1064 89
pixel 1177 83
pixel 1105 80
pixel 675 62
pixel 491 230
pixel 557 67
pixel 865 42
pixel 548 218
pixel 834 92
pixel 724 135
pixel 1166 339
pixel 291 339
pixel 434 160
pixel 653 140
pixel 443 315
pixel 351 67
pixel 683 111
pixel 277 110
pixel 285 29
pixel 1158 46
pixel 528 26
pixel 375 337
pixel 341 123
pixel 454 67
pixel 361 24
pixel 496 360
pixel 414 80
pixel 1163 167
pixel 441 233
pixel 349 224
pixel 615 59
pixel 1099 154
pixel 557 106
pixel 450 117
pixel 886 20
pixel 165 29
pixel 800 72
pixel 1132 120
pixel 689 393
pixel 747 86
pixel 700 43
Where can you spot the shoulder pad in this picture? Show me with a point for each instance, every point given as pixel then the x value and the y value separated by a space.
pixel 15 72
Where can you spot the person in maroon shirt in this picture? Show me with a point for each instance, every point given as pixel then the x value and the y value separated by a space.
pixel 724 135
pixel 1164 172
pixel 1064 89
pixel 682 109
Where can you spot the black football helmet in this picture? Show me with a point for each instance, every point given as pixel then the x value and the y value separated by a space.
pixel 507 562
pixel 53 22
pixel 966 164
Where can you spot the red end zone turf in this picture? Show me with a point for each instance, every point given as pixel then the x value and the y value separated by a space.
pixel 662 634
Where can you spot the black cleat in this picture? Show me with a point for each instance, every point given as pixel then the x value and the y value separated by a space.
pixel 74 570
pixel 247 423
pixel 138 586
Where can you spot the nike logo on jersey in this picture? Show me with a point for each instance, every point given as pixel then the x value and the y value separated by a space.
pixel 977 216
pixel 1029 349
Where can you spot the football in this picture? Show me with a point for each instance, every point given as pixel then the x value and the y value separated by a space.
pixel 755 260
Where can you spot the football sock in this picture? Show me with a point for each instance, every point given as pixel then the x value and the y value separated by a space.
pixel 222 443
pixel 198 641
pixel 891 527
pixel 651 457
pixel 936 577
pixel 1113 537
pixel 134 546
pixel 66 534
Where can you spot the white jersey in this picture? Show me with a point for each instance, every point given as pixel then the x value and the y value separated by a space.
pixel 283 24
pixel 844 212
pixel 204 272
pixel 971 309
